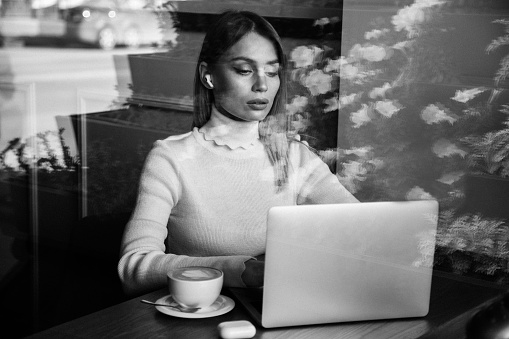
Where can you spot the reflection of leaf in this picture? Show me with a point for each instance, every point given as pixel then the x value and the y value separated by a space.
pixel 489 153
pixel 467 94
pixel 426 249
pixel 387 107
pixel 417 193
pixel 300 124
pixel 503 71
pixel 444 148
pixel 380 91
pixel 317 82
pixel 360 117
pixel 473 233
pixel 450 178
pixel 304 56
pixel 297 105
pixel 434 114
pixel 500 41
pixel 332 104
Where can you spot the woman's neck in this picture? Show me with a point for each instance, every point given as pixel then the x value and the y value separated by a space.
pixel 225 131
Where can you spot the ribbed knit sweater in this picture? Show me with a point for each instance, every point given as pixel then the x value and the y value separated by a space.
pixel 202 203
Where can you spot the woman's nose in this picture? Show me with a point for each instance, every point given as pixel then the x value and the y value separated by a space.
pixel 260 84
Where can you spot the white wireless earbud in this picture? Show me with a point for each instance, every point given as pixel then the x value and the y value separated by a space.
pixel 208 80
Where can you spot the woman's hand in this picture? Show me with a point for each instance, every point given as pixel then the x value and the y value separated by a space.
pixel 253 274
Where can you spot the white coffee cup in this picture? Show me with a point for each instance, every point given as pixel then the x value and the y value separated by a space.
pixel 195 286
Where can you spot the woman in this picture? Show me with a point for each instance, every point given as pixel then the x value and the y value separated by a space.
pixel 204 195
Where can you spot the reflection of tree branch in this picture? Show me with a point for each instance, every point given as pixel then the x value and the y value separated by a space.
pixel 503 71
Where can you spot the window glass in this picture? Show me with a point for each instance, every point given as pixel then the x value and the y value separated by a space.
pixel 423 110
pixel 403 99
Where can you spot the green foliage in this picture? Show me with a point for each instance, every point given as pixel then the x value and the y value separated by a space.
pixel 167 21
pixel 408 128
pixel 473 243
pixel 313 86
pixel 473 233
pixel 503 71
pixel 489 153
pixel 46 152
pixel 44 157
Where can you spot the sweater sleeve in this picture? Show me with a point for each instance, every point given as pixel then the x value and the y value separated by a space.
pixel 144 258
pixel 316 184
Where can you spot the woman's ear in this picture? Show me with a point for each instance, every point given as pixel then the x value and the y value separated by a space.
pixel 205 76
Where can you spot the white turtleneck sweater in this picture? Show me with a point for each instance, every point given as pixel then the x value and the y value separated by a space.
pixel 203 200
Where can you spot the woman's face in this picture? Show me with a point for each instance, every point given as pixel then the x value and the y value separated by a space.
pixel 246 78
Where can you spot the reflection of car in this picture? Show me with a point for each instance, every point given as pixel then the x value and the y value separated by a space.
pixel 108 23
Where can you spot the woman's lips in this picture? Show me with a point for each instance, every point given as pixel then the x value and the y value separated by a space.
pixel 258 104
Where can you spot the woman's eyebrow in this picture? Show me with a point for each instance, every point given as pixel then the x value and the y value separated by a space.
pixel 242 58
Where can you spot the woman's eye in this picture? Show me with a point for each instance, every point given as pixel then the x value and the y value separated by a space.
pixel 242 71
pixel 271 71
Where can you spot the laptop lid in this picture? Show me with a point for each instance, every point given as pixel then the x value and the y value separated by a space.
pixel 348 262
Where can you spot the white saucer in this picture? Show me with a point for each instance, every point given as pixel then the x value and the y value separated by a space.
pixel 221 306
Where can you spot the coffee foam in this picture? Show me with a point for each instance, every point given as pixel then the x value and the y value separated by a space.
pixel 196 274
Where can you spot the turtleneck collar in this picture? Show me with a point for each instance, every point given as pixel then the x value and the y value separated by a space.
pixel 227 132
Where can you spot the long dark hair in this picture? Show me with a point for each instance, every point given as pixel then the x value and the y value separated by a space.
pixel 226 31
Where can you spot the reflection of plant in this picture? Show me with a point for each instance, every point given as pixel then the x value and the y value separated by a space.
pixel 45 155
pixel 411 137
pixel 399 137
pixel 314 82
pixel 166 17
pixel 46 152
pixel 503 71
pixel 405 132
pixel 486 239
pixel 417 134
pixel 112 175
pixel 489 153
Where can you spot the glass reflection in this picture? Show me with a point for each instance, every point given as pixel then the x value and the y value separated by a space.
pixel 424 115
pixel 403 99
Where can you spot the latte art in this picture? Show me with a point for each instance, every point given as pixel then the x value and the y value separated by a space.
pixel 195 273
pixel 195 286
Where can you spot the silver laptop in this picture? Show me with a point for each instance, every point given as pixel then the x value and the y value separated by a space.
pixel 345 262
